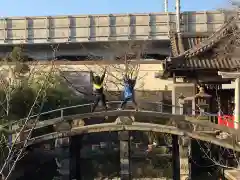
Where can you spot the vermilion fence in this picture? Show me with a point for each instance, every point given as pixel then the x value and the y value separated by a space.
pixel 226 120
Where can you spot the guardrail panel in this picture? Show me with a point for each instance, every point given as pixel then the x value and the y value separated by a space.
pixel 37 34
pixel 80 33
pixel 100 27
pixel 37 22
pixel 122 31
pixel 16 34
pixel 162 17
pixel 216 17
pixel 59 22
pixel 16 23
pixel 61 33
pixel 122 20
pixel 102 31
pixel 80 21
pixel 160 29
pixel 2 23
pixel 2 35
pixel 102 20
pixel 142 20
pixel 142 30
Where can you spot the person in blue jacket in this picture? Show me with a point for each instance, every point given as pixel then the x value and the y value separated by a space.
pixel 128 91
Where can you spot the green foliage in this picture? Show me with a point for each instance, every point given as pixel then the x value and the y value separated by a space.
pixel 21 101
pixel 18 55
pixel 21 68
pixel 55 94
pixel 16 100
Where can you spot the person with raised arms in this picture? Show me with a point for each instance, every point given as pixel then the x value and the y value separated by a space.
pixel 128 91
pixel 98 90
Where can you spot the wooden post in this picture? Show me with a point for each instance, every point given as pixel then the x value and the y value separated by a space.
pixel 180 154
pixel 184 152
pixel 124 139
pixel 237 103
pixel 75 143
pixel 182 145
pixel 175 158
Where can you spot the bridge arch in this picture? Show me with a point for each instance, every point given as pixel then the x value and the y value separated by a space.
pixel 128 113
pixel 148 113
pixel 136 126
pixel 172 129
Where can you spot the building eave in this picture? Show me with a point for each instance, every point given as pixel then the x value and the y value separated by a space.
pixel 204 45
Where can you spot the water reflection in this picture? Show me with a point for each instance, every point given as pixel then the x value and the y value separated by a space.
pixel 101 160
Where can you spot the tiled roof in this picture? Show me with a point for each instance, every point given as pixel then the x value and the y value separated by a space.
pixel 207 63
pixel 183 42
pixel 191 41
pixel 212 40
pixel 201 55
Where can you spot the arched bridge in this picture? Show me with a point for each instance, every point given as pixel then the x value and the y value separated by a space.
pixel 152 117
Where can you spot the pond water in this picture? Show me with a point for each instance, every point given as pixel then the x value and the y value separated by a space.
pixel 100 160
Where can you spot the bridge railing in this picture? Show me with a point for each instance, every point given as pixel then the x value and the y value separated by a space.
pixel 113 105
pixel 80 109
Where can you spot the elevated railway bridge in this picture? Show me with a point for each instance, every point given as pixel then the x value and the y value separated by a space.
pixel 94 36
pixel 152 118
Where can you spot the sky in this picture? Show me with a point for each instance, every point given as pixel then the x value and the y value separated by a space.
pixel 74 7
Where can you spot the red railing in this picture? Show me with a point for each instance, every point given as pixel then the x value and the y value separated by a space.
pixel 226 120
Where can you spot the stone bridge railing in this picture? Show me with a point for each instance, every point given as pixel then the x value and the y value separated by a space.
pixel 112 105
pixel 155 117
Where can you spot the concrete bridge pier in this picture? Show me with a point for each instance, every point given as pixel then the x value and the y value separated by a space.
pixel 75 144
pixel 124 138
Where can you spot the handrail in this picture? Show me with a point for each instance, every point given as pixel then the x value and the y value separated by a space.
pixel 52 111
pixel 61 109
pixel 161 104
pixel 156 114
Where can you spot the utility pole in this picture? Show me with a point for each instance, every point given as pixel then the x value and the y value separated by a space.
pixel 165 6
pixel 178 16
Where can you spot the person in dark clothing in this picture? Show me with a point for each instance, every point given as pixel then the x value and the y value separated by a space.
pixel 128 91
pixel 98 90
